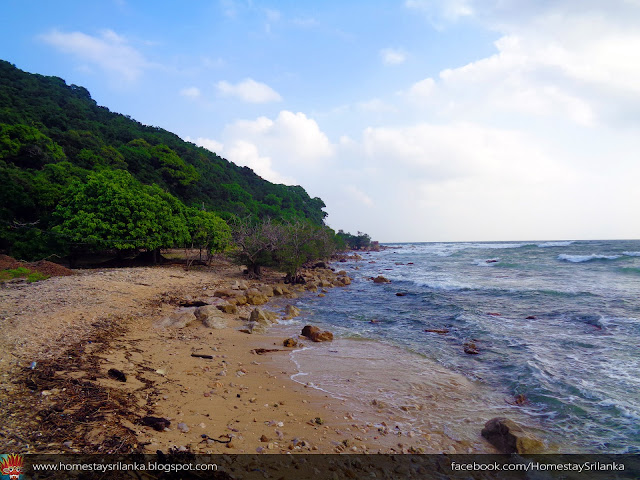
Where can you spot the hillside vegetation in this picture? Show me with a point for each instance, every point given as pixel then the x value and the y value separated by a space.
pixel 76 175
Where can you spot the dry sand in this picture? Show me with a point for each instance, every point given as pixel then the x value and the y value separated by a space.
pixel 77 328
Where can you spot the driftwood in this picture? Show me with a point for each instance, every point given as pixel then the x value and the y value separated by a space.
pixel 198 355
pixel 262 351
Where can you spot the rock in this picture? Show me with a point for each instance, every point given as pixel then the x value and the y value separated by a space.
pixel 308 330
pixel 291 311
pixel 225 292
pixel 179 319
pixel 325 336
pixel 494 314
pixel 240 285
pixel 183 427
pixel 211 317
pixel 228 308
pixel 439 331
pixel 157 423
pixel 290 342
pixel 344 281
pixel 381 279
pixel 266 290
pixel 530 317
pixel 264 438
pixel 471 348
pixel 259 315
pixel 342 273
pixel 509 437
pixel 239 300
pixel 317 335
pixel 401 294
pixel 278 290
pixel 255 297
pixel 117 374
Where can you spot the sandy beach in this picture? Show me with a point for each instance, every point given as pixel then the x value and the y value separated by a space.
pixel 63 339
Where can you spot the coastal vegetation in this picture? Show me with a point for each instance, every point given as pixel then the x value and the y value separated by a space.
pixel 67 165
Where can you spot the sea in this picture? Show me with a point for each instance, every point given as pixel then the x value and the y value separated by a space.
pixel 555 324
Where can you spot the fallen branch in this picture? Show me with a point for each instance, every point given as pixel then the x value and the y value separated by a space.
pixel 197 355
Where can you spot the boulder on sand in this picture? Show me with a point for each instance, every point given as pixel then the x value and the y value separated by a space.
pixel 316 335
pixel 179 319
pixel 509 437
pixel 211 317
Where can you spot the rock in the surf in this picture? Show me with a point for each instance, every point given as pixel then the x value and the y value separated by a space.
pixel 509 437
pixel 381 279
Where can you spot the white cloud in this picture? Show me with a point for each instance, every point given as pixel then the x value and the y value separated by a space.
pixel 208 143
pixel 245 153
pixel 110 52
pixel 190 92
pixel 358 195
pixel 249 91
pixel 391 56
pixel 291 138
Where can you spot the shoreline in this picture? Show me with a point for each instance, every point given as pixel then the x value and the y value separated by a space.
pixel 248 401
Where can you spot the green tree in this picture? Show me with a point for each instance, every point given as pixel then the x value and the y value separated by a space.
pixel 208 231
pixel 112 210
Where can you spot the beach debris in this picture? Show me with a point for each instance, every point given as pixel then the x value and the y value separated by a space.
pixel 199 355
pixel 207 438
pixel 117 374
pixel 470 348
pixel 262 351
pixel 183 427
pixel 509 437
pixel 157 423
pixel 264 438
pixel 439 331
pixel 380 279
pixel 317 335
pixel 290 342
pixel 318 420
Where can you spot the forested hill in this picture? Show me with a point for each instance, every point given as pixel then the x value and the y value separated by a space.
pixel 53 135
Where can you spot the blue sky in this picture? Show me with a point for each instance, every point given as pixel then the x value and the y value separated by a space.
pixel 415 120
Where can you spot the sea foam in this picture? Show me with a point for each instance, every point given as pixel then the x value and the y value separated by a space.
pixel 586 258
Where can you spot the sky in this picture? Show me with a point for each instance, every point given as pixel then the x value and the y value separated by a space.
pixel 414 120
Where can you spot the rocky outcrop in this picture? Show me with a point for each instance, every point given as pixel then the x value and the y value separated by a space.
pixel 211 317
pixel 509 437
pixel 315 334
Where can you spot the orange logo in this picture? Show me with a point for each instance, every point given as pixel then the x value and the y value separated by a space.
pixel 12 465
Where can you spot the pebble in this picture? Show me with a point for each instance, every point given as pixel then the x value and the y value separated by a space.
pixel 183 427
pixel 68 444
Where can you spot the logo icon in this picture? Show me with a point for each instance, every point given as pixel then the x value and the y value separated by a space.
pixel 12 465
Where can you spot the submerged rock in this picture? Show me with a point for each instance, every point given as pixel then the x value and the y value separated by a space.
pixel 290 342
pixel 509 437
pixel 470 348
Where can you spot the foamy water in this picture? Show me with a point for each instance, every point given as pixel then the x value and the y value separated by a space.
pixel 576 361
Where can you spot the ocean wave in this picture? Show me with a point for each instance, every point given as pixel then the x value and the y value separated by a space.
pixel 556 244
pixel 586 258
pixel 631 254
